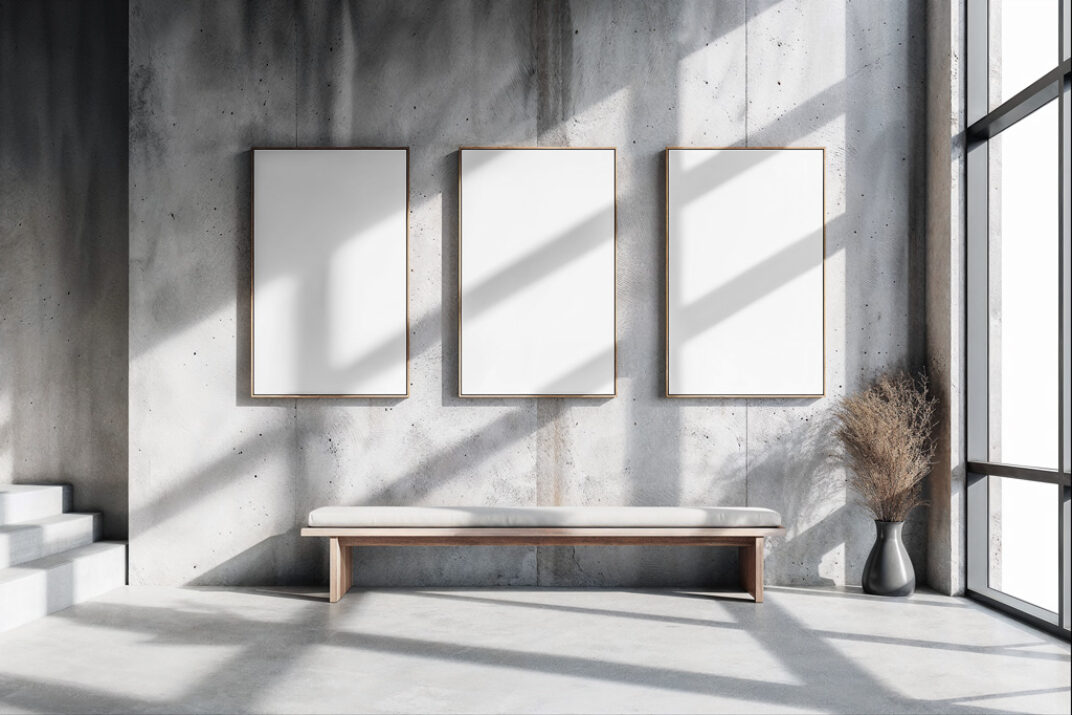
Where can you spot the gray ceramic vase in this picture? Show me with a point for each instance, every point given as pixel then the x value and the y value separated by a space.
pixel 888 571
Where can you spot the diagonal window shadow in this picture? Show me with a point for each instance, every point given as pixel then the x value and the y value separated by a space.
pixel 746 288
pixel 532 267
pixel 598 612
pixel 711 173
pixel 579 378
pixel 807 654
pixel 1002 650
pixel 807 658
pixel 527 270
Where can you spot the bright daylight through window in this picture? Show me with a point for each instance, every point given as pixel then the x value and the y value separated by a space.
pixel 1018 246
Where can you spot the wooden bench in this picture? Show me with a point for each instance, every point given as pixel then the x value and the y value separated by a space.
pixel 745 528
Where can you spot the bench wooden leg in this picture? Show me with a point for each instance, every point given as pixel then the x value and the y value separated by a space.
pixel 751 559
pixel 340 567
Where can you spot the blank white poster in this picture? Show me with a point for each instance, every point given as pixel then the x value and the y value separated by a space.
pixel 330 272
pixel 537 283
pixel 745 250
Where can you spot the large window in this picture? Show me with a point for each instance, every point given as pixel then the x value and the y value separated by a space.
pixel 1018 307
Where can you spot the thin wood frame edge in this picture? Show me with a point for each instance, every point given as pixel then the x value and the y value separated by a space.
pixel 252 247
pixel 480 396
pixel 666 258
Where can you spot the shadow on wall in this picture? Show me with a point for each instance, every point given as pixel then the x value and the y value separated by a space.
pixel 589 60
pixel 309 274
pixel 781 467
pixel 807 480
pixel 421 32
pixel 63 242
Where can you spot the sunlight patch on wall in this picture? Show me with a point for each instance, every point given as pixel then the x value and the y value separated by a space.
pixel 832 564
pixel 715 70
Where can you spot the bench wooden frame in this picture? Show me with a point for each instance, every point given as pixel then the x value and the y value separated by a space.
pixel 748 540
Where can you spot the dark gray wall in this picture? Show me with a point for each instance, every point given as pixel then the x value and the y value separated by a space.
pixel 63 250
pixel 221 483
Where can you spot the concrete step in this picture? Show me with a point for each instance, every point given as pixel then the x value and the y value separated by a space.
pixel 37 588
pixel 26 502
pixel 29 540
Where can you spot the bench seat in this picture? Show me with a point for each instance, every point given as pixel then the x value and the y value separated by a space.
pixel 544 516
pixel 346 527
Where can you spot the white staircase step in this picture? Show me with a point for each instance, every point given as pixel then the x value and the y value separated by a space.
pixel 26 502
pixel 37 588
pixel 29 540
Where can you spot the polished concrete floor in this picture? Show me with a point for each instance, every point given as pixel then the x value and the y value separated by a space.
pixel 528 650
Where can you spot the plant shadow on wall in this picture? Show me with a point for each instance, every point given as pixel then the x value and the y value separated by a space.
pixel 800 465
pixel 808 467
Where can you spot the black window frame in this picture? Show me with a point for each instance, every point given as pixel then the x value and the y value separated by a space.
pixel 984 124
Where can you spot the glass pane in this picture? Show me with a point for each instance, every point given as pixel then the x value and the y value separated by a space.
pixel 1023 44
pixel 1023 540
pixel 1024 292
pixel 1066 32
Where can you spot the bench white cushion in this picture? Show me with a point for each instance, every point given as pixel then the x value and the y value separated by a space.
pixel 544 516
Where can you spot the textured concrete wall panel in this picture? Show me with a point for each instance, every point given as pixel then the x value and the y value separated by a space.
pixel 63 250
pixel 221 483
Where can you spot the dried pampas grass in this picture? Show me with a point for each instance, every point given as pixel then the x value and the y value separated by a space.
pixel 886 435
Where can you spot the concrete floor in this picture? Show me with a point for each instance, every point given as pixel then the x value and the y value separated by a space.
pixel 519 650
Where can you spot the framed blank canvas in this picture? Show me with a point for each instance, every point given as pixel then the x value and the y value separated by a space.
pixel 745 272
pixel 536 272
pixel 329 262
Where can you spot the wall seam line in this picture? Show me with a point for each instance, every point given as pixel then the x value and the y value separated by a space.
pixel 746 443
pixel 746 84
pixel 535 35
pixel 294 76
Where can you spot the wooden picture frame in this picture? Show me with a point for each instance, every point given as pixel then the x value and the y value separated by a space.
pixel 537 244
pixel 329 263
pixel 745 272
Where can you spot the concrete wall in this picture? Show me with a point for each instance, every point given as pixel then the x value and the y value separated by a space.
pixel 221 483
pixel 946 293
pixel 63 250
pixel 945 290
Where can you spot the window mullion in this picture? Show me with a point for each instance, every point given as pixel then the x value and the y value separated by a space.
pixel 1064 417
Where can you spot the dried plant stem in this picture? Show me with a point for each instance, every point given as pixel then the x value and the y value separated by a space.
pixel 886 435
